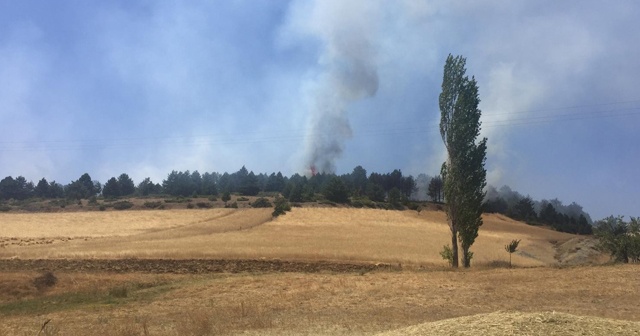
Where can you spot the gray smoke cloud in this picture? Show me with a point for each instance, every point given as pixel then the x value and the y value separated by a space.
pixel 346 32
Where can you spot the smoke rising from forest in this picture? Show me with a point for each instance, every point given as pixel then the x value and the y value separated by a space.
pixel 346 31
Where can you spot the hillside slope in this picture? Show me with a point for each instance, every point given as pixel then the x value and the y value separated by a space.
pixel 364 235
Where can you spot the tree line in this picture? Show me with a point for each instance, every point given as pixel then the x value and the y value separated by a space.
pixel 564 218
pixel 395 188
pixel 376 187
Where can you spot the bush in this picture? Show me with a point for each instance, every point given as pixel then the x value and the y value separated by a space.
pixel 447 254
pixel 204 205
pixel 44 281
pixel 178 200
pixel 619 238
pixel 190 206
pixel 102 208
pixel 153 205
pixel 5 208
pixel 122 205
pixel 233 205
pixel 213 198
pixel 413 206
pixel 281 207
pixel 261 203
pixel 242 199
pixel 93 200
pixel 119 292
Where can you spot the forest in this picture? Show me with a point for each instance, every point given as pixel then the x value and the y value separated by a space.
pixel 392 190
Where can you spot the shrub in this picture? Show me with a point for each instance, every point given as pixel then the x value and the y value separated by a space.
pixel 242 199
pixel 619 238
pixel 102 208
pixel 413 206
pixel 45 281
pixel 119 292
pixel 261 203
pixel 281 207
pixel 5 208
pixel 93 200
pixel 204 205
pixel 190 206
pixel 153 205
pixel 362 202
pixel 447 254
pixel 233 205
pixel 178 200
pixel 226 197
pixel 213 198
pixel 122 205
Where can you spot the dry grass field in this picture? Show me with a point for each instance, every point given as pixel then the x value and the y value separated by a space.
pixel 418 293
pixel 341 234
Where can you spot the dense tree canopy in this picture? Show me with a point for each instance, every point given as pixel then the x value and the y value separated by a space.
pixel 565 218
pixel 436 189
pixel 620 238
pixel 463 173
pixel 376 189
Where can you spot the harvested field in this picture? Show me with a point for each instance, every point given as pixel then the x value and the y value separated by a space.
pixel 314 271
pixel 325 303
pixel 408 238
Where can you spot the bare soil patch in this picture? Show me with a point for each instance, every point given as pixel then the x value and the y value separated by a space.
pixel 185 266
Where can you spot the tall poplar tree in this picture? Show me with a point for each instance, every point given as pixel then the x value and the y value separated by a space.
pixel 463 173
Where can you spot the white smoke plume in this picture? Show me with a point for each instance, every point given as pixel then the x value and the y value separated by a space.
pixel 346 31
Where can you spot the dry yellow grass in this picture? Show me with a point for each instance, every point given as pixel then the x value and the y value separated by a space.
pixel 100 224
pixel 366 235
pixel 345 304
pixel 296 303
pixel 515 323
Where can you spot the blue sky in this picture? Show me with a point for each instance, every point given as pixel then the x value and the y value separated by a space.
pixel 146 87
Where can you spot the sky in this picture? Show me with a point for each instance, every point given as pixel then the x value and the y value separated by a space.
pixel 147 87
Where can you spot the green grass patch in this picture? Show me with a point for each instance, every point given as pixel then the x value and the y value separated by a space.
pixel 116 295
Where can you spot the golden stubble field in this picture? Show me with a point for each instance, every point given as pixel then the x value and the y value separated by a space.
pixel 424 297
pixel 400 237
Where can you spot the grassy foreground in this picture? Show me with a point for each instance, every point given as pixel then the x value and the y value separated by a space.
pixel 320 303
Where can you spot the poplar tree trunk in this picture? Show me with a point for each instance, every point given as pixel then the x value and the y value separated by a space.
pixel 454 244
pixel 466 262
